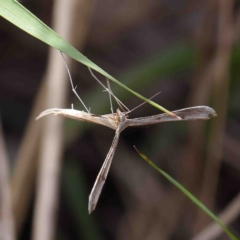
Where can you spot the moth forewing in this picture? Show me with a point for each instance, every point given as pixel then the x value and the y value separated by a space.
pixel 102 175
pixel 196 113
pixel 186 114
pixel 122 123
pixel 105 120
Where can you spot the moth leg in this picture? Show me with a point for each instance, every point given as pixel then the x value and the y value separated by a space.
pixel 121 105
pixel 71 81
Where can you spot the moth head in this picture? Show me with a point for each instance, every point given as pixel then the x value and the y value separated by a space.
pixel 120 116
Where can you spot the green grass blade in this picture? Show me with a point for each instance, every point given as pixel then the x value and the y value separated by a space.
pixel 189 195
pixel 18 15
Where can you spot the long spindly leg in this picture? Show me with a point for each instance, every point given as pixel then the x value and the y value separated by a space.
pixel 102 175
pixel 71 81
pixel 121 105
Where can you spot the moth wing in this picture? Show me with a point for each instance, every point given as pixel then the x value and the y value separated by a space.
pixel 81 116
pixel 102 175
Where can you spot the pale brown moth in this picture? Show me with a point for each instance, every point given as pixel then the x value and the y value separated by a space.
pixel 119 121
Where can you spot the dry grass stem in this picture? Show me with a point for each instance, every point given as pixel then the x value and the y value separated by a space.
pixel 220 92
pixel 65 14
pixel 7 224
pixel 24 172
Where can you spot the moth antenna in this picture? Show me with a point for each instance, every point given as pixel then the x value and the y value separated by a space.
pixel 144 102
pixel 71 81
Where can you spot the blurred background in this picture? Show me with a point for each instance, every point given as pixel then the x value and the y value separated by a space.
pixel 187 50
